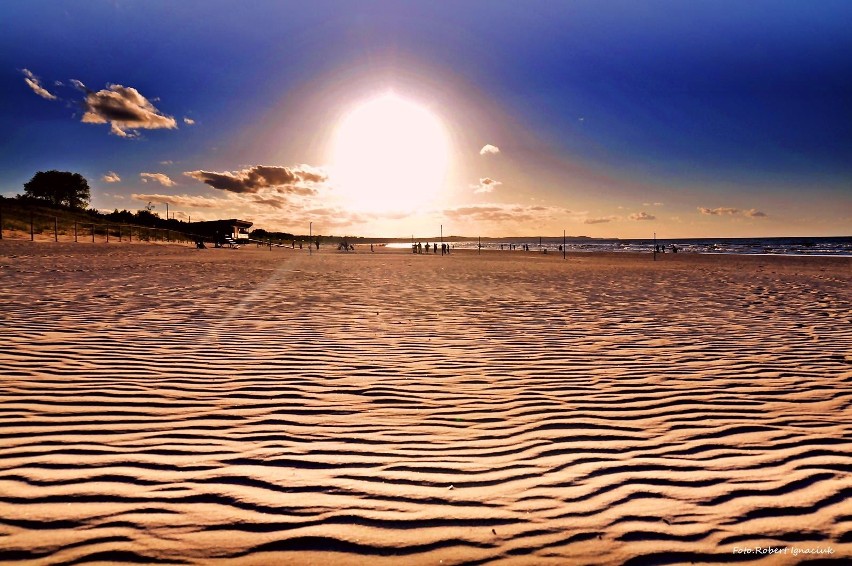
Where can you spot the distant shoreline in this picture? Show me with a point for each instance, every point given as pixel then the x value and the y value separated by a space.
pixel 642 248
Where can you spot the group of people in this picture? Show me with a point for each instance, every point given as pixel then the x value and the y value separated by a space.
pixel 524 247
pixel 661 248
pixel 302 242
pixel 418 248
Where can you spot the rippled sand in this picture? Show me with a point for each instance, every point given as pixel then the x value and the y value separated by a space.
pixel 165 404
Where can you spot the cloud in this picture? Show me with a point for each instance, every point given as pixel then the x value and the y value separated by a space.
pixel 503 213
pixel 489 149
pixel 258 177
pixel 641 216
pixel 161 178
pixel 34 83
pixel 721 211
pixel 601 220
pixel 652 204
pixel 310 174
pixel 188 121
pixel 187 201
pixel 727 211
pixel 111 177
pixel 124 109
pixel 486 185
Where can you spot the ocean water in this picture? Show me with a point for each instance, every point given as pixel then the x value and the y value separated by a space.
pixel 822 246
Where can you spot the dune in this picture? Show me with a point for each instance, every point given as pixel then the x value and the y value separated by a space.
pixel 161 404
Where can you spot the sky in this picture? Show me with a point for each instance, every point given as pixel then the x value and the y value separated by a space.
pixel 390 119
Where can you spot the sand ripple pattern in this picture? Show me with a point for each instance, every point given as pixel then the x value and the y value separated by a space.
pixel 166 405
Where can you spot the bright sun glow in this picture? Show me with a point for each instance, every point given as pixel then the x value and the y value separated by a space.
pixel 389 155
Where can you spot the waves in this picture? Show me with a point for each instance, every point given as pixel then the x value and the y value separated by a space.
pixel 162 405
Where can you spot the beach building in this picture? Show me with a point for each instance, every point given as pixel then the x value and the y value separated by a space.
pixel 231 231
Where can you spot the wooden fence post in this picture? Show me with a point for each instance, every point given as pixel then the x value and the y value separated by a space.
pixel 93 233
pixel 1 222
pixel 32 230
pixel 75 230
pixel 55 230
pixel 107 233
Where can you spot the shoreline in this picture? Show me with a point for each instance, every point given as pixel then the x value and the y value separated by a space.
pixel 330 247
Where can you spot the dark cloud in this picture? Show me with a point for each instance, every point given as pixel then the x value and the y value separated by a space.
pixel 311 174
pixel 602 220
pixel 124 109
pixel 35 84
pixel 642 216
pixel 274 202
pixel 187 201
pixel 726 211
pixel 283 179
pixel 721 211
pixel 502 213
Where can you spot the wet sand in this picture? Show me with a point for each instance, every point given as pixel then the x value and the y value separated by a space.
pixel 164 404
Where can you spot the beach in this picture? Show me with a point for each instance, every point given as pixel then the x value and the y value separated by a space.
pixel 165 404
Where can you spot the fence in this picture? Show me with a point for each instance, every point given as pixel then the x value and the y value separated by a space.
pixel 44 227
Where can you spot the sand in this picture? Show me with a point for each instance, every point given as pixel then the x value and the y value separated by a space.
pixel 164 404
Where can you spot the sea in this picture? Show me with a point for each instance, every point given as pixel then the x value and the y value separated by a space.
pixel 817 246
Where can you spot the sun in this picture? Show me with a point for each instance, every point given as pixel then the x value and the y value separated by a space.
pixel 389 155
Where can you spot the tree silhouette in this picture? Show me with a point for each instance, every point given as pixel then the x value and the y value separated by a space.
pixel 59 188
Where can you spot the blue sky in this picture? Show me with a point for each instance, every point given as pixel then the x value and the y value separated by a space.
pixel 611 118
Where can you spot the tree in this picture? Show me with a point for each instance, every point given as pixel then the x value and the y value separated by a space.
pixel 59 188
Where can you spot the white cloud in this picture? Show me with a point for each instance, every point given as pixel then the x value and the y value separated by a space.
pixel 489 149
pixel 161 178
pixel 188 121
pixel 641 216
pixel 111 177
pixel 124 109
pixel 267 208
pixel 34 83
pixel 486 185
